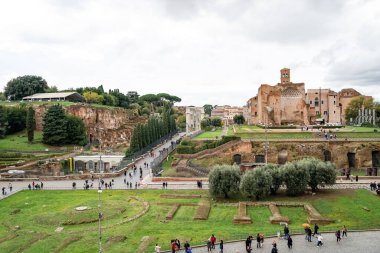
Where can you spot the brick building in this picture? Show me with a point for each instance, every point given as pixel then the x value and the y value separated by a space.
pixel 289 103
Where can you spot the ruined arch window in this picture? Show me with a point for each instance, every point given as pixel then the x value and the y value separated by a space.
pixel 316 102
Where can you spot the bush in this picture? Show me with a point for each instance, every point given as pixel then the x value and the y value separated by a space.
pixel 256 183
pixel 10 155
pixel 184 149
pixel 295 178
pixel 224 181
pixel 275 172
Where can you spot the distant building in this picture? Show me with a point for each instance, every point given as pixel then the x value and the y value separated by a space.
pixel 96 163
pixel 288 103
pixel 55 96
pixel 227 113
pixel 194 116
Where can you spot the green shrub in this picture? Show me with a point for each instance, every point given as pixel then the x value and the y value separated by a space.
pixel 224 181
pixel 256 183
pixel 183 149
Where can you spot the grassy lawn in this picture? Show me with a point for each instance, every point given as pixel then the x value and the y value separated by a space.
pixel 168 170
pixel 209 135
pixel 307 135
pixel 359 129
pixel 39 213
pixel 19 142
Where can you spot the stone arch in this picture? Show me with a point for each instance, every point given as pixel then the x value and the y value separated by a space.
pixel 376 158
pixel 351 160
pixel 237 159
pixel 282 156
pixel 260 158
pixel 327 155
pixel 91 165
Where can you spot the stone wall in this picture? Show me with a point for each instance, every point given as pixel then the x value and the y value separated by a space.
pixel 281 152
pixel 116 123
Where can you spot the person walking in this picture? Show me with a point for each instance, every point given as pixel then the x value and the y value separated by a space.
pixel 337 234
pixel 290 242
pixel 319 239
pixel 221 246
pixel 309 234
pixel 213 239
pixel 274 249
pixel 174 246
pixel 286 232
pixel 10 187
pixel 248 244
pixel 316 228
pixel 344 231
pixel 208 245
pixel 186 245
pixel 258 245
pixel 157 248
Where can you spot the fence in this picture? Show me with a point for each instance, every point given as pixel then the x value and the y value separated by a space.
pixel 156 164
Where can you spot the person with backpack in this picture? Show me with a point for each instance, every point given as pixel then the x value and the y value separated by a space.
pixel 221 246
pixel 274 249
pixel 290 242
pixel 337 234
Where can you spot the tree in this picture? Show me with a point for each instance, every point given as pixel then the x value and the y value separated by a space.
pixel 93 97
pixel 54 126
pixel 352 110
pixel 109 100
pixel 275 172
pixel 216 122
pixel 320 173
pixel 295 178
pixel 30 124
pixel 3 122
pixel 256 183
pixel 23 86
pixel 76 131
pixel 16 118
pixel 2 97
pixel 224 180
pixel 208 108
pixel 52 89
pixel 239 119
pixel 150 98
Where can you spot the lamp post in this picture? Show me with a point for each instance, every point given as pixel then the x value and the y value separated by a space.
pixel 100 214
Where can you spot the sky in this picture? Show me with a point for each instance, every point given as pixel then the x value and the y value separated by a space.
pixel 204 51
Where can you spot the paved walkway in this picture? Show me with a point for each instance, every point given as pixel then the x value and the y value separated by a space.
pixel 118 181
pixel 356 242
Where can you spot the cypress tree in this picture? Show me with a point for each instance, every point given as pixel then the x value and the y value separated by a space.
pixel 3 122
pixel 54 126
pixel 30 124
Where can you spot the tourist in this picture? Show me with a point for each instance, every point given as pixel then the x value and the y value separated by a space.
pixel 344 231
pixel 157 248
pixel 189 250
pixel 174 246
pixel 10 187
pixel 316 228
pixel 213 239
pixel 163 185
pixel 319 239
pixel 274 249
pixel 309 235
pixel 221 246
pixel 42 185
pixel 178 243
pixel 3 191
pixel 258 239
pixel 209 244
pixel 33 184
pixel 337 234
pixel 186 245
pixel 248 244
pixel 290 242
pixel 135 185
pixel 286 232
pixel 29 187
pixel 125 181
pixel 261 240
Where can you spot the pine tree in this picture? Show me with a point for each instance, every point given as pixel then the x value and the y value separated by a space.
pixel 3 122
pixel 54 126
pixel 30 124
pixel 76 131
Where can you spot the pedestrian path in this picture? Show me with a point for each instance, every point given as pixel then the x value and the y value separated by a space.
pixel 356 242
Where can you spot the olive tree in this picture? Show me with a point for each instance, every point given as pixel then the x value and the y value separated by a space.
pixel 296 178
pixel 224 180
pixel 275 172
pixel 256 183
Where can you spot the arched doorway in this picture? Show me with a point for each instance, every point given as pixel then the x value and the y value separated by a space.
pixel 237 159
pixel 327 155
pixel 282 156
pixel 80 165
pixel 376 158
pixel 351 159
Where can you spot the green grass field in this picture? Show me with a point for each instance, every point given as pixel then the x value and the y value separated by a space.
pixel 19 142
pixel 39 213
pixel 209 135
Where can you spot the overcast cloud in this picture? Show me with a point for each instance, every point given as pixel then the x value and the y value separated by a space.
pixel 203 51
